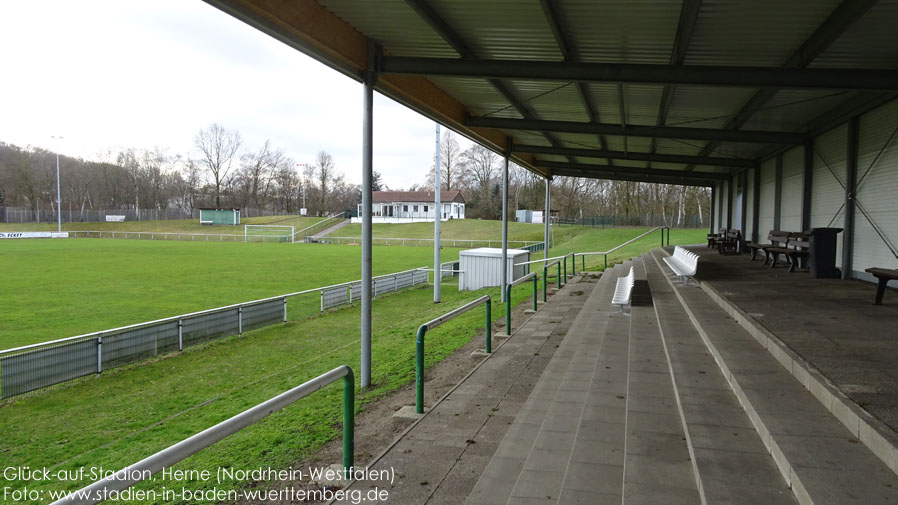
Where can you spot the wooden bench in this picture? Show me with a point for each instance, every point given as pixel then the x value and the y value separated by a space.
pixel 624 290
pixel 884 275
pixel 683 263
pixel 795 250
pixel 776 238
pixel 731 243
pixel 714 237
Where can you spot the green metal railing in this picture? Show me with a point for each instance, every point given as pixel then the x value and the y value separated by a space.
pixel 609 251
pixel 131 475
pixel 422 330
pixel 530 276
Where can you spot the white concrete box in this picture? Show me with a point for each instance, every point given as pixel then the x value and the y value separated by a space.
pixel 482 267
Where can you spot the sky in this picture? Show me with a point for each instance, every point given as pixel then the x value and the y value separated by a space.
pixel 106 75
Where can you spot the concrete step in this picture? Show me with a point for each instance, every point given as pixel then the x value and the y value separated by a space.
pixel 817 456
pixel 657 465
pixel 729 460
pixel 532 460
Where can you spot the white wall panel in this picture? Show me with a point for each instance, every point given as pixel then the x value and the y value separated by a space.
pixel 768 193
pixel 877 193
pixel 793 178
pixel 827 186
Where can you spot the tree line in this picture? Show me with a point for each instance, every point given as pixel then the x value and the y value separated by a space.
pixel 223 172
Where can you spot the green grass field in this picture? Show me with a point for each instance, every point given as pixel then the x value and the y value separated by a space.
pixel 67 287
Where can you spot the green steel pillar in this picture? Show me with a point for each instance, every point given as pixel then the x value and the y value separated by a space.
pixel 488 329
pixel 348 422
pixel 508 309
pixel 419 370
pixel 534 292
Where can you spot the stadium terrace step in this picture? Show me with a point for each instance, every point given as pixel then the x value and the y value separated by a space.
pixel 818 457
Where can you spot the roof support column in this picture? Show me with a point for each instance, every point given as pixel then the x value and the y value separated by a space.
pixel 714 196
pixel 807 187
pixel 743 180
pixel 850 195
pixel 504 277
pixel 367 171
pixel 731 194
pixel 437 214
pixel 756 205
pixel 778 192
pixel 720 223
pixel 546 218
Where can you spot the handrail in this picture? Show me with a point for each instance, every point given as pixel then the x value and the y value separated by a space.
pixel 525 243
pixel 543 260
pixel 531 275
pixel 634 239
pixel 130 475
pixel 546 277
pixel 188 315
pixel 326 219
pixel 433 323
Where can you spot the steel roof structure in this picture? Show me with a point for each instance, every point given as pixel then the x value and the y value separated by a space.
pixel 684 92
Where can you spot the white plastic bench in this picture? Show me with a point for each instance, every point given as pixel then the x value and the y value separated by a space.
pixel 683 263
pixel 623 290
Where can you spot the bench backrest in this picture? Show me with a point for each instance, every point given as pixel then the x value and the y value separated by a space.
pixel 798 241
pixel 778 237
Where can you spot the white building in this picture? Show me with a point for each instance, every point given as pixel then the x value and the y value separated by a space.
pixel 413 206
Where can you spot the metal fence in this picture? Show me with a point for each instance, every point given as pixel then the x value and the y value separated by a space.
pixel 26 215
pixel 157 235
pixel 428 242
pixel 33 367
pixel 689 221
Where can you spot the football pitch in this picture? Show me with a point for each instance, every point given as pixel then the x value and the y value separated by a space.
pixel 64 287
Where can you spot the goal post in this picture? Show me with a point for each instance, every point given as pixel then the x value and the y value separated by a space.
pixel 268 233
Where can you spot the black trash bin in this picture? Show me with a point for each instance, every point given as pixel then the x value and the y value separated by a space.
pixel 822 253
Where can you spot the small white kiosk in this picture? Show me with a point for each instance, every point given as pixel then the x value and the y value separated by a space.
pixel 482 267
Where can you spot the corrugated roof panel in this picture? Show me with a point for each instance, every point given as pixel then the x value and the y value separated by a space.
pixel 676 146
pixel 737 149
pixel 791 109
pixel 552 100
pixel 500 29
pixel 480 97
pixel 641 103
pixel 392 23
pixel 706 107
pixel 869 43
pixel 604 96
pixel 635 31
pixel 756 33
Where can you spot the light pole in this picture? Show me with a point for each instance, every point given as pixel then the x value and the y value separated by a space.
pixel 58 198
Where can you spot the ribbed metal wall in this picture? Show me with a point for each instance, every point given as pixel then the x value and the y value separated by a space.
pixel 767 204
pixel 793 178
pixel 725 198
pixel 827 190
pixel 749 195
pixel 877 191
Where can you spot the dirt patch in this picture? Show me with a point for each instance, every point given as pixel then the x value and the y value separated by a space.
pixel 376 428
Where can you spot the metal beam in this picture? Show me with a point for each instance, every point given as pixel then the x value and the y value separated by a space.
pixel 756 206
pixel 642 173
pixel 850 196
pixel 698 75
pixel 676 132
pixel 807 185
pixel 367 178
pixel 631 156
pixel 623 176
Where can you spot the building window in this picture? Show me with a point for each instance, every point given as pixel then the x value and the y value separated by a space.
pixel 405 208
pixel 425 208
pixel 415 208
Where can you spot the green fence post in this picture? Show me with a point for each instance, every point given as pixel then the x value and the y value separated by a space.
pixel 419 370
pixel 348 422
pixel 558 274
pixel 534 292
pixel 573 264
pixel 545 282
pixel 508 309
pixel 488 329
pixel 565 269
pixel 606 262
pixel 583 263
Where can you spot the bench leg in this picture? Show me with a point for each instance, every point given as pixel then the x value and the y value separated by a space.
pixel 880 290
pixel 792 262
pixel 754 252
pixel 773 257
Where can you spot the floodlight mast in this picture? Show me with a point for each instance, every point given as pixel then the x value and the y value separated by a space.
pixel 58 194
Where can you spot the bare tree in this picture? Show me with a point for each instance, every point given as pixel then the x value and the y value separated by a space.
pixel 220 147
pixel 326 171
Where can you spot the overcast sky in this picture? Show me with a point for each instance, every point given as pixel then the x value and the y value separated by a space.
pixel 145 73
